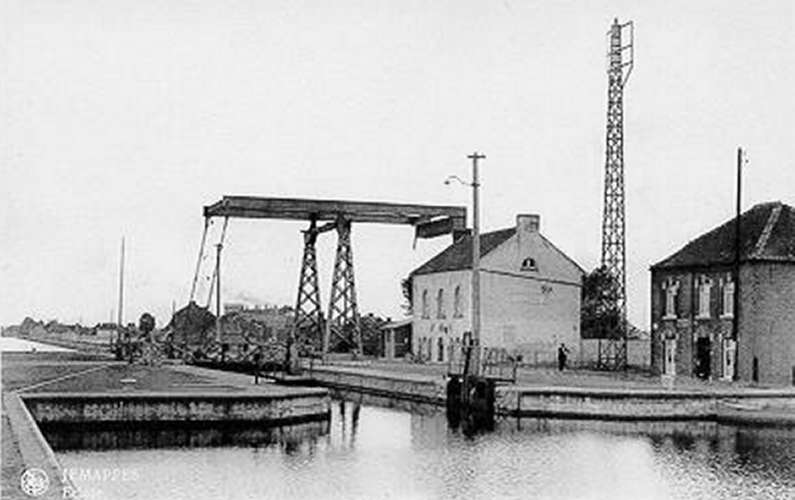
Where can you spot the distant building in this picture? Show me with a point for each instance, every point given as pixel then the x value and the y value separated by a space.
pixel 396 339
pixel 530 296
pixel 692 298
pixel 233 307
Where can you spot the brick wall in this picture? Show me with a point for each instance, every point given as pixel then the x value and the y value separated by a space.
pixel 767 322
pixel 689 325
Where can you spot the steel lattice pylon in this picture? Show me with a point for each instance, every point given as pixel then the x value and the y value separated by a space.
pixel 613 349
pixel 343 315
pixel 308 319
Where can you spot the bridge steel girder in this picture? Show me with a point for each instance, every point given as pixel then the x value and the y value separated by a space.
pixel 251 207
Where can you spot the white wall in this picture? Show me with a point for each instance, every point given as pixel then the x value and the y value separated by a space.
pixel 528 312
pixel 451 326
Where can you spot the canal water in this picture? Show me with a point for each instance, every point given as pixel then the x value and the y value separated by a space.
pixel 13 344
pixel 368 451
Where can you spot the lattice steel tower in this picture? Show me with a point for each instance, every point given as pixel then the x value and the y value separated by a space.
pixel 613 349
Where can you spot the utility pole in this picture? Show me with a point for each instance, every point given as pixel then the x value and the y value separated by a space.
pixel 120 320
pixel 737 235
pixel 475 263
pixel 218 247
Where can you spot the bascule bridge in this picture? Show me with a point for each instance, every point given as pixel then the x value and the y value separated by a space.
pixel 342 320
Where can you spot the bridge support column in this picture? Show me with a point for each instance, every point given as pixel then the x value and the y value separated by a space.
pixel 343 314
pixel 308 320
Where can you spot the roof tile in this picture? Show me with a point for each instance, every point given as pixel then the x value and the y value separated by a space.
pixel 767 232
pixel 458 256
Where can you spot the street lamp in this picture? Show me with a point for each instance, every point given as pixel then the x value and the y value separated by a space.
pixel 475 365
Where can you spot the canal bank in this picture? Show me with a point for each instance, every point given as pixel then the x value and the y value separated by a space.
pixel 78 390
pixel 634 401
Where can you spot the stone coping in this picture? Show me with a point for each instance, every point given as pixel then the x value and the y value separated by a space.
pixel 35 450
pixel 374 373
pixel 650 393
pixel 166 395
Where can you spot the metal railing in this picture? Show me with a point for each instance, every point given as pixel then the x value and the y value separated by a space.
pixel 495 362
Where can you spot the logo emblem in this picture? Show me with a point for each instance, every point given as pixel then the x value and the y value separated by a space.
pixel 34 482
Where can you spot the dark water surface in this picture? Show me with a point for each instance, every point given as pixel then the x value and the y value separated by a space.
pixel 369 451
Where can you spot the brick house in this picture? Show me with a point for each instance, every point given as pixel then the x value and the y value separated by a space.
pixel 530 296
pixel 693 308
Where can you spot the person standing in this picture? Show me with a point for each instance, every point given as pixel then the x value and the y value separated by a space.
pixel 257 364
pixel 562 356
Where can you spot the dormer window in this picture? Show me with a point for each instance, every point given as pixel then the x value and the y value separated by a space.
pixel 670 289
pixel 704 285
pixel 529 264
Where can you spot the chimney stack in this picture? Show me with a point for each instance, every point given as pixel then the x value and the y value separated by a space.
pixel 530 223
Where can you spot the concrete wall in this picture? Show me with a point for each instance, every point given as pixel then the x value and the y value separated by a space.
pixel 527 311
pixel 646 404
pixel 399 385
pixel 77 408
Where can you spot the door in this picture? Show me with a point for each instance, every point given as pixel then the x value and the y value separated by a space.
pixel 729 353
pixel 669 363
pixel 703 357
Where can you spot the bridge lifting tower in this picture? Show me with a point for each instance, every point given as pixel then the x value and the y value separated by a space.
pixel 613 306
pixel 343 322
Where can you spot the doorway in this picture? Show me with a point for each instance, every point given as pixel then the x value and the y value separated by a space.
pixel 703 357
pixel 755 370
pixel 669 362
pixel 729 353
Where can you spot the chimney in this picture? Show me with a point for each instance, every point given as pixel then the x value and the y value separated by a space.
pixel 528 223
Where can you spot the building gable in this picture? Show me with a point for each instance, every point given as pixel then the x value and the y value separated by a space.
pixel 532 255
pixel 458 256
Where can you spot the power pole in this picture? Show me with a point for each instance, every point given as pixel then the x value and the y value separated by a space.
pixel 613 353
pixel 475 366
pixel 737 235
pixel 120 320
pixel 218 248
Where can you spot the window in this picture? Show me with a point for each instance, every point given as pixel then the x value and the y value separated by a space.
pixel 670 289
pixel 704 287
pixel 529 264
pixel 728 299
pixel 425 310
pixel 440 352
pixel 457 309
pixel 440 304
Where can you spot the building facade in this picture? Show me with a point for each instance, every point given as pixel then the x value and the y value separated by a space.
pixel 396 339
pixel 695 315
pixel 530 296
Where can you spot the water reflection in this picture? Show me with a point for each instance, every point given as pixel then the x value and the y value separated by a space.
pixel 370 451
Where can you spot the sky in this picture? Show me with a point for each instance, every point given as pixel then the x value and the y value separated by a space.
pixel 126 118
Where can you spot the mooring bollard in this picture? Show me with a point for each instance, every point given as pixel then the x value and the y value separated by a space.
pixel 127 383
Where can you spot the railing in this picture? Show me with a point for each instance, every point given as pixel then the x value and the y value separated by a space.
pixel 498 364
pixel 495 362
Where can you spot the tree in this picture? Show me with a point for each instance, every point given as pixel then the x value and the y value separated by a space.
pixel 407 287
pixel 598 319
